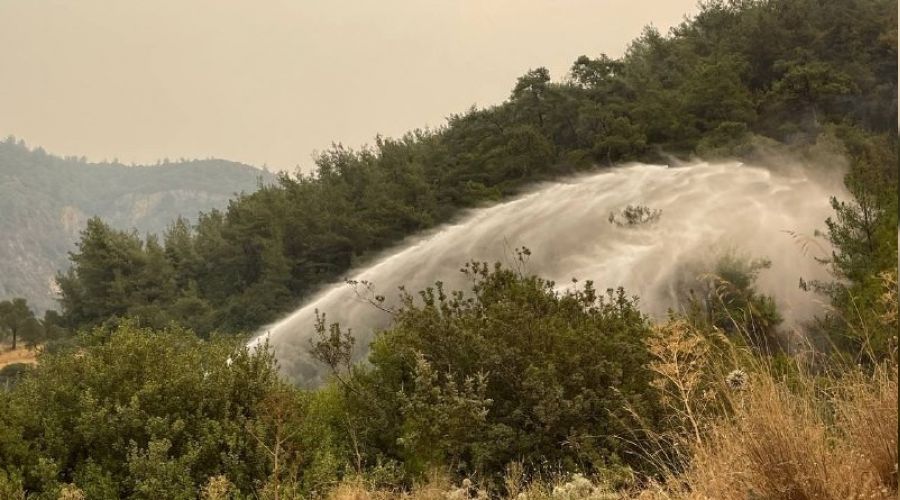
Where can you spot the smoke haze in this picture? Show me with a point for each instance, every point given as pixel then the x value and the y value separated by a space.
pixel 271 81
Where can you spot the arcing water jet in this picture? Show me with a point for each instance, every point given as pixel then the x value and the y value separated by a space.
pixel 706 210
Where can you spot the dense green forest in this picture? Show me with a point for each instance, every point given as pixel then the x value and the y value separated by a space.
pixel 45 201
pixel 509 382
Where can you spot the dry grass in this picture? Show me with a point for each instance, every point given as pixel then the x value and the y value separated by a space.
pixel 791 444
pixel 19 355
pixel 791 437
pixel 867 417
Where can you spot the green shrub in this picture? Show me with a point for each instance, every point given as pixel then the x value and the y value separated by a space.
pixel 514 371
pixel 142 414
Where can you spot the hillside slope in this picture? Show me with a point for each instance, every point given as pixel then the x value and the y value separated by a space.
pixel 45 201
pixel 741 78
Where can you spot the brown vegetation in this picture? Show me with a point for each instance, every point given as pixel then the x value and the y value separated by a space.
pixel 19 355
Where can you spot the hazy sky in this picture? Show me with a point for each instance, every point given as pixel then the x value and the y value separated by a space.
pixel 270 81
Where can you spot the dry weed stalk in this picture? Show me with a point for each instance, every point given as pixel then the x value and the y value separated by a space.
pixel 681 362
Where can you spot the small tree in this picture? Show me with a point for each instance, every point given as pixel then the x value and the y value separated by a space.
pixel 863 237
pixel 17 321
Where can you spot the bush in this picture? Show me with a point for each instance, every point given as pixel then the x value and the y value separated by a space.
pixel 11 374
pixel 142 414
pixel 514 371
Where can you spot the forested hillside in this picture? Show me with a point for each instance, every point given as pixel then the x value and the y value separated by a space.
pixel 509 388
pixel 45 202
pixel 739 78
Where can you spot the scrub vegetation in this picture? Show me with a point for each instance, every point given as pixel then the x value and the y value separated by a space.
pixel 510 388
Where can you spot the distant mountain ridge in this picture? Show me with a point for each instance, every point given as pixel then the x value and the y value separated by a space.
pixel 45 201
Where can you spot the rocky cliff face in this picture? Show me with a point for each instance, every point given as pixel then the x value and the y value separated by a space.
pixel 46 200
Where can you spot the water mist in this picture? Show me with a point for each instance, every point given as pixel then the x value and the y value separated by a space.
pixel 707 210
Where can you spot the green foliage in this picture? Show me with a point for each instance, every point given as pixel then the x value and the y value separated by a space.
pixel 514 371
pixel 731 303
pixel 863 233
pixel 11 374
pixel 143 414
pixel 11 486
pixel 738 74
pixel 117 275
